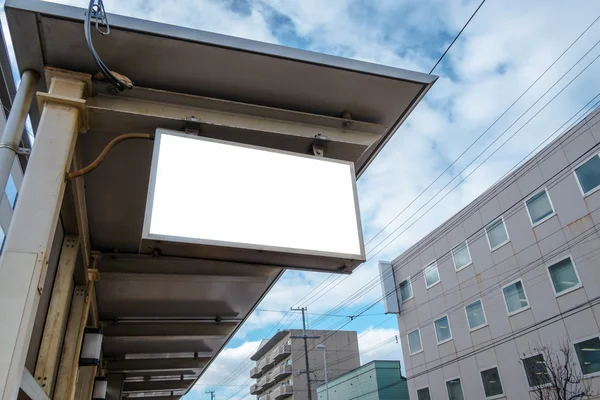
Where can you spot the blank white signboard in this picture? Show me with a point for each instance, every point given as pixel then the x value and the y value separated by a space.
pixel 211 192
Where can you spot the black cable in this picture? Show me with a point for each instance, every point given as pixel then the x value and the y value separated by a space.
pixel 456 38
pixel 96 7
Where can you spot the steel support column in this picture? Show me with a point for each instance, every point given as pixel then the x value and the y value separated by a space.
pixel 69 360
pixel 26 250
pixel 54 329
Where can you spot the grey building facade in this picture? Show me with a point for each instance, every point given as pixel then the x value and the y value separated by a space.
pixel 516 270
pixel 280 362
pixel 376 380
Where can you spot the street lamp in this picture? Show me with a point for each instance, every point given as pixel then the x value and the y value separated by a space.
pixel 322 347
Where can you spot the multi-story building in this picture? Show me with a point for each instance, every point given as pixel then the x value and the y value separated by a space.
pixel 281 363
pixel 376 380
pixel 513 274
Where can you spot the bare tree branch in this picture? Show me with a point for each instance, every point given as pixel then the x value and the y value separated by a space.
pixel 557 376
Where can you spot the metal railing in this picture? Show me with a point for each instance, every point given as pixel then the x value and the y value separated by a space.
pixel 282 392
pixel 281 371
pixel 281 352
pixel 256 388
pixel 256 372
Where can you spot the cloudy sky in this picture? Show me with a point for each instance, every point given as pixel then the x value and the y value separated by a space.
pixel 505 49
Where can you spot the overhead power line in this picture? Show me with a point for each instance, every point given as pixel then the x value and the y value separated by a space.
pixel 456 37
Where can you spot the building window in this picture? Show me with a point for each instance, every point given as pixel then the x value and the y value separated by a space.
pixel 539 207
pixel 454 389
pixel 432 275
pixel 564 276
pixel 442 330
pixel 515 297
pixel 536 371
pixel 492 385
pixel 588 175
pixel 11 191
pixel 461 256
pixel 406 290
pixel 414 342
pixel 588 354
pixel 475 315
pixel 423 394
pixel 288 361
pixel 496 233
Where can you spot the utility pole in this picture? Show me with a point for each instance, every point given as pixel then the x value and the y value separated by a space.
pixel 307 372
pixel 212 394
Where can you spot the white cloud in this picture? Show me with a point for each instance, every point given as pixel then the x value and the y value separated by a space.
pixel 229 373
pixel 379 344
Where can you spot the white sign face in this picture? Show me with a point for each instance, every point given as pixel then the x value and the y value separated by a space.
pixel 210 191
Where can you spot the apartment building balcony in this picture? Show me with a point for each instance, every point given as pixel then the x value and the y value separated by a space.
pixel 281 372
pixel 267 363
pixel 267 381
pixel 281 352
pixel 256 388
pixel 282 392
pixel 256 372
pixel 265 397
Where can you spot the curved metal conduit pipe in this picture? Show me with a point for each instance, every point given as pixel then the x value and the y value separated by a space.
pixel 121 138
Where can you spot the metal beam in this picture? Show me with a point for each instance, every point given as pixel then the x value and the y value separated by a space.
pixel 152 103
pixel 85 382
pixel 141 277
pixel 171 374
pixel 200 329
pixel 23 264
pixel 78 191
pixel 69 361
pixel 54 329
pixel 165 397
pixel 156 364
pixel 156 386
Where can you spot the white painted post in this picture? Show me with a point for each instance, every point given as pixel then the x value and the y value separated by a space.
pixel 13 130
pixel 26 250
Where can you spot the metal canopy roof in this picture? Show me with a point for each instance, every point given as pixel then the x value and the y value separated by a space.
pixel 183 60
pixel 166 318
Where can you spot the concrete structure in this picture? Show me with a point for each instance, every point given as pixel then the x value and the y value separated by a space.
pixel 280 363
pixel 74 256
pixel 515 270
pixel 377 380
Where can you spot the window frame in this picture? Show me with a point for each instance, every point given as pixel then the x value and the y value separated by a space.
pixel 547 217
pixel 495 396
pixel 569 290
pixel 594 190
pixel 484 316
pixel 534 354
pixel 466 242
pixel 421 388
pixel 505 230
pixel 412 293
pixel 426 269
pixel 452 379
pixel 573 343
pixel 449 330
pixel 520 310
pixel 420 342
